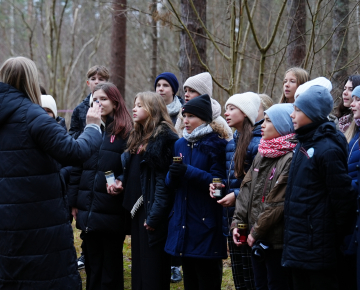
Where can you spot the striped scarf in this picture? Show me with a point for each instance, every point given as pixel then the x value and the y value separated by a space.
pixel 276 147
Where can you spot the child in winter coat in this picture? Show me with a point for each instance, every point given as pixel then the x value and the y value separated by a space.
pixel 260 203
pixel 98 214
pixel 145 164
pixel 195 231
pixel 241 111
pixel 319 198
pixel 195 86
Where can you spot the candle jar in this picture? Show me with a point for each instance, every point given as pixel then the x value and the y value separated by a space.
pixel 110 177
pixel 177 159
pixel 243 232
pixel 218 188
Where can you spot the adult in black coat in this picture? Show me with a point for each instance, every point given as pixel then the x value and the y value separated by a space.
pixel 98 214
pixel 36 241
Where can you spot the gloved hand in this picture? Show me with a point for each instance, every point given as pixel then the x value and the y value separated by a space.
pixel 177 169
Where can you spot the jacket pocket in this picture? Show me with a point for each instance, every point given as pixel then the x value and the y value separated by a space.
pixel 310 232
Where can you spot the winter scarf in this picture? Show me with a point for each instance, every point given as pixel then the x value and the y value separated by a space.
pixel 174 107
pixel 197 133
pixel 357 122
pixel 276 147
pixel 344 122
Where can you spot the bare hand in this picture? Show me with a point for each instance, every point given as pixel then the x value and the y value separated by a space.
pixel 212 189
pixel 236 237
pixel 93 115
pixel 227 200
pixel 250 240
pixel 148 227
pixel 74 212
pixel 116 188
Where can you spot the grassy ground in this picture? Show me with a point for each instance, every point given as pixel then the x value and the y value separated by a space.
pixel 227 283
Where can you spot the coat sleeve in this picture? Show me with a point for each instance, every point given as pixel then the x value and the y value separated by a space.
pixel 55 141
pixel 163 201
pixel 338 185
pixel 273 212
pixel 73 186
pixel 242 201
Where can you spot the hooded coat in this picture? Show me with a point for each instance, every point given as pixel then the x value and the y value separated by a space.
pixel 36 241
pixel 318 200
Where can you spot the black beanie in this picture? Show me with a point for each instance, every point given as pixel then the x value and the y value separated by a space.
pixel 200 107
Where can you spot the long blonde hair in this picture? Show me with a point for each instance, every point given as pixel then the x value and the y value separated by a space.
pixel 302 76
pixel 351 131
pixel 22 74
pixel 155 105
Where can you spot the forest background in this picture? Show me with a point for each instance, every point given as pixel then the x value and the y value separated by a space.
pixel 245 45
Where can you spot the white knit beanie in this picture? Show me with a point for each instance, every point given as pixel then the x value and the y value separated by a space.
pixel 248 103
pixel 320 81
pixel 48 101
pixel 202 83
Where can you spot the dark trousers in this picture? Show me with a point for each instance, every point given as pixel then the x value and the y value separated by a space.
pixel 304 279
pixel 202 274
pixel 175 261
pixel 150 268
pixel 241 266
pixel 269 274
pixel 104 260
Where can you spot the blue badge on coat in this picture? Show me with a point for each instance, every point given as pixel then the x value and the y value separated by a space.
pixel 310 152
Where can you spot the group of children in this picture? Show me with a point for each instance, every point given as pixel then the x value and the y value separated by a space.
pixel 288 183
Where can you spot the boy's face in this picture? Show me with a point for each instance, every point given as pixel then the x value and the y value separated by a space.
pixel 94 80
pixel 164 89
pixel 191 122
pixel 299 119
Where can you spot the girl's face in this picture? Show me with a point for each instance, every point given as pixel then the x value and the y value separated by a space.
pixel 190 94
pixel 268 130
pixel 348 88
pixel 299 119
pixel 164 89
pixel 290 86
pixel 140 115
pixel 107 106
pixel 191 122
pixel 234 117
pixel 93 81
pixel 50 113
pixel 355 107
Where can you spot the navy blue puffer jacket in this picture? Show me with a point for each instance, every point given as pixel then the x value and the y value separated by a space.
pixel 97 210
pixel 319 199
pixel 36 241
pixel 231 182
pixel 354 158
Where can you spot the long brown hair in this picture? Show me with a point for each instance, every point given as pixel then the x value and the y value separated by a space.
pixel 159 117
pixel 341 110
pixel 22 74
pixel 122 123
pixel 241 148
pixel 302 76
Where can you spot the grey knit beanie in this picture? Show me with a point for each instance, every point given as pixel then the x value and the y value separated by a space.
pixel 248 103
pixel 202 83
pixel 316 103
pixel 279 115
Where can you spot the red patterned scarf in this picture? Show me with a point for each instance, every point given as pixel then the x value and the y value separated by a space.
pixel 276 147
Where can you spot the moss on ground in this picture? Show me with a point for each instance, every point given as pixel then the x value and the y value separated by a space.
pixel 227 282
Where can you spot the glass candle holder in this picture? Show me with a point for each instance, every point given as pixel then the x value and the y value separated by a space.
pixel 218 187
pixel 243 232
pixel 177 159
pixel 110 177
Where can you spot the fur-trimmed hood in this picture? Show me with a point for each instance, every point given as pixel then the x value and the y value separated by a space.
pixel 214 145
pixel 158 152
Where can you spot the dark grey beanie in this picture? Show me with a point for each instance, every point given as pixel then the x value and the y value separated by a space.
pixel 316 103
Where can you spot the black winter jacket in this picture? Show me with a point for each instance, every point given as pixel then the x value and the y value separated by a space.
pixel 78 118
pixel 158 199
pixel 318 200
pixel 98 210
pixel 36 241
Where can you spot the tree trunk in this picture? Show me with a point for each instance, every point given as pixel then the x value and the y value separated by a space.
pixel 339 50
pixel 154 36
pixel 296 50
pixel 118 45
pixel 189 64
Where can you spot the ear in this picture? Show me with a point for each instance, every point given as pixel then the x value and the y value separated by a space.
pixel 88 83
